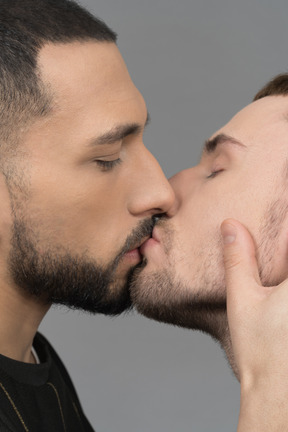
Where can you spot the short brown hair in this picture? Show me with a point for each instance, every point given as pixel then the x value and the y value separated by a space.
pixel 277 86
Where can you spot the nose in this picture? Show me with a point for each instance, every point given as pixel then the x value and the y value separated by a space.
pixel 153 193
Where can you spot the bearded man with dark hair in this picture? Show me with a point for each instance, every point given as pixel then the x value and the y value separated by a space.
pixel 71 221
pixel 79 196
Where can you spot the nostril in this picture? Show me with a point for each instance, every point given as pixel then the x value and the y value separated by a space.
pixel 155 219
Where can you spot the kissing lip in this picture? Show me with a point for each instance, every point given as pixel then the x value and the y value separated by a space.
pixel 153 239
pixel 138 244
pixel 155 235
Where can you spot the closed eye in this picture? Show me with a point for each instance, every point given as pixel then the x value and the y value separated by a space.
pixel 214 173
pixel 107 165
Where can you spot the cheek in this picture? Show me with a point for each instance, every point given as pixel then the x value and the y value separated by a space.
pixel 96 222
pixel 227 200
pixel 79 219
pixel 197 227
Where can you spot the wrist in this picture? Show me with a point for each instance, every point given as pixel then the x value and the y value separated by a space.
pixel 263 406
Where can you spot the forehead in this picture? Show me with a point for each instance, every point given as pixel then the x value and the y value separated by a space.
pixel 265 119
pixel 83 75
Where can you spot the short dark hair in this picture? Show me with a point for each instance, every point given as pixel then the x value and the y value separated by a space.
pixel 277 86
pixel 25 27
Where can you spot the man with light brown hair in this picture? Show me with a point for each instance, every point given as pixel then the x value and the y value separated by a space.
pixel 242 176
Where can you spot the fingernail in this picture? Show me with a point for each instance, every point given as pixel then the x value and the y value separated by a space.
pixel 228 232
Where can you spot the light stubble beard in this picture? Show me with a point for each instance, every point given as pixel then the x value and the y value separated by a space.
pixel 200 304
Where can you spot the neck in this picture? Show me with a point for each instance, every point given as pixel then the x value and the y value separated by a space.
pixel 20 317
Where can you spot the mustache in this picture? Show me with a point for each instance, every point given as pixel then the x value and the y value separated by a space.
pixel 139 234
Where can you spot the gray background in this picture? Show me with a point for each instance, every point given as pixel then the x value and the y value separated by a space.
pixel 197 62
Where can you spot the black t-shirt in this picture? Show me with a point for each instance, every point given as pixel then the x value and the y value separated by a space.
pixel 39 397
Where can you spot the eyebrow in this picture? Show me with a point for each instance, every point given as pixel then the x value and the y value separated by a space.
pixel 211 144
pixel 119 132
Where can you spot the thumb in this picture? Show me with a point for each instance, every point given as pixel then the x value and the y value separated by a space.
pixel 241 270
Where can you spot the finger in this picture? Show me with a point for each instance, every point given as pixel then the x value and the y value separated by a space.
pixel 241 269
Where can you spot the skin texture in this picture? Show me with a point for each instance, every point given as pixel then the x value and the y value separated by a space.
pixel 183 282
pixel 61 207
pixel 60 202
pixel 258 328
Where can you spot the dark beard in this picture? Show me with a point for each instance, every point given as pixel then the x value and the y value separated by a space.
pixel 57 277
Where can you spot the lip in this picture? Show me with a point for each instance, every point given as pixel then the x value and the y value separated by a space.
pixel 155 234
pixel 134 254
pixel 152 241
pixel 138 245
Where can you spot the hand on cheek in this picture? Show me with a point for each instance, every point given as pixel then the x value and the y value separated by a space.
pixel 258 325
